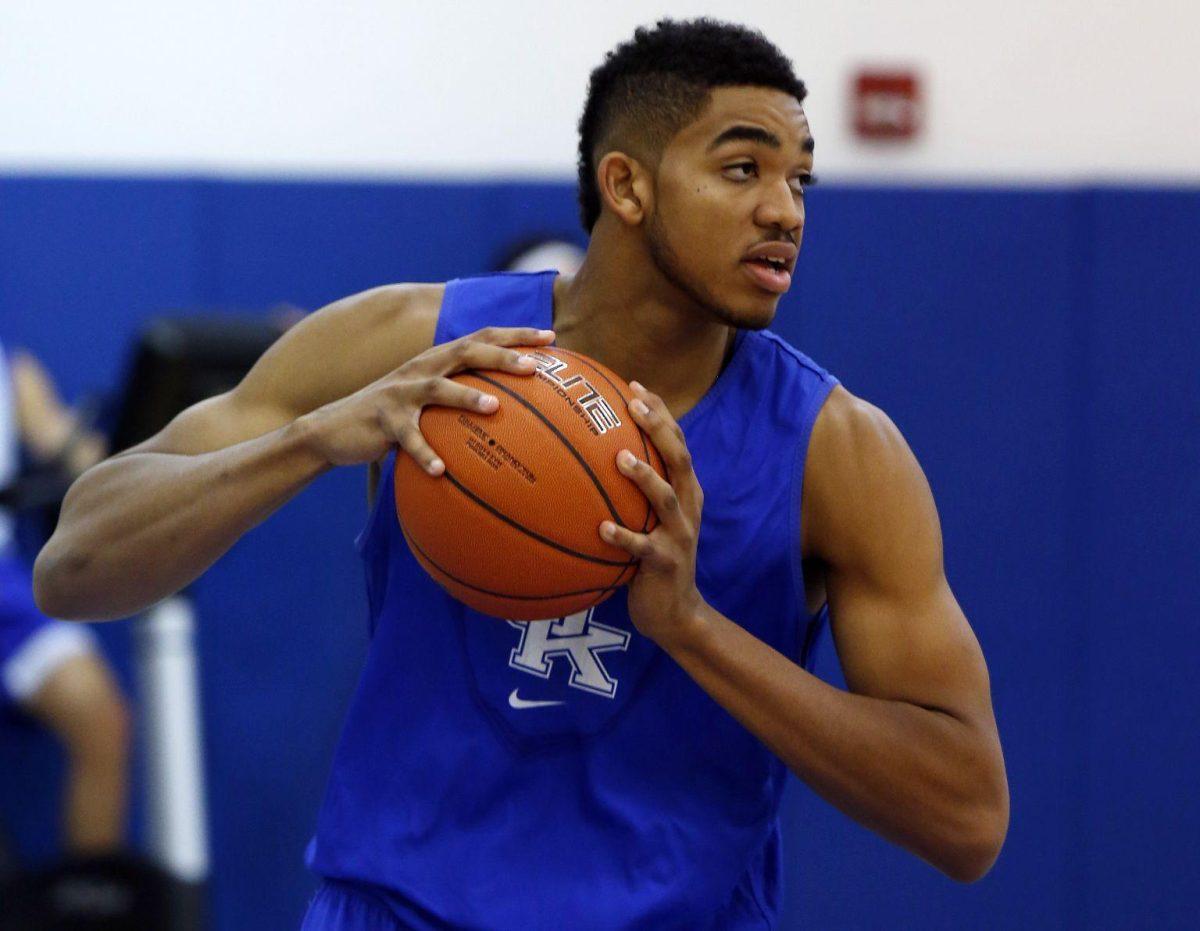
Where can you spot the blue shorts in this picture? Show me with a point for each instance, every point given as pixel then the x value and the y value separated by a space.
pixel 32 646
pixel 345 906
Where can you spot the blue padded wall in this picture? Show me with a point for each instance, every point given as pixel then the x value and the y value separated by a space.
pixel 1141 563
pixel 951 310
pixel 1038 349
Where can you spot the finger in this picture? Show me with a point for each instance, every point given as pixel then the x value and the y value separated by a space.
pixel 659 415
pixel 485 356
pixel 638 545
pixel 511 336
pixel 651 414
pixel 462 355
pixel 409 438
pixel 658 491
pixel 444 392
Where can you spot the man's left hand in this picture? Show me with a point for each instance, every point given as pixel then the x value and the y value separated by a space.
pixel 663 598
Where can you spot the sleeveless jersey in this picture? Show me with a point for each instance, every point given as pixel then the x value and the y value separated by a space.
pixel 567 773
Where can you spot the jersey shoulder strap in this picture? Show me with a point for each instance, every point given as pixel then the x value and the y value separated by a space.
pixel 508 299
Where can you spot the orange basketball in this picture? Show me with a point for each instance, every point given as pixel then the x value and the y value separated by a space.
pixel 511 528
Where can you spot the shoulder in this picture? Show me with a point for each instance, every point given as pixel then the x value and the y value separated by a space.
pixel 377 311
pixel 854 433
pixel 864 490
pixel 400 314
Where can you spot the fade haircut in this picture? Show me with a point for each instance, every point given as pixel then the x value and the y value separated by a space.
pixel 649 88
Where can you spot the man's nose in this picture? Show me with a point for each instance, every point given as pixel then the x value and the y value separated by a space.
pixel 780 208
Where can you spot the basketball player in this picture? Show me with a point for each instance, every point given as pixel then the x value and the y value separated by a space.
pixel 621 767
pixel 52 673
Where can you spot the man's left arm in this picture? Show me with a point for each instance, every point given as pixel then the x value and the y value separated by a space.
pixel 911 750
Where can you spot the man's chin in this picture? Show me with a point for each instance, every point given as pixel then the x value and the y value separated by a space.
pixel 746 316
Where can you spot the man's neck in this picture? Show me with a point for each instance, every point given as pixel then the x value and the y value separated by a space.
pixel 621 311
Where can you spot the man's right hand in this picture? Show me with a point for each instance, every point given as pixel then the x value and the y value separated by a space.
pixel 363 426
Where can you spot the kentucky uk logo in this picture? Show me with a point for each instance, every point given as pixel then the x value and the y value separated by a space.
pixel 577 638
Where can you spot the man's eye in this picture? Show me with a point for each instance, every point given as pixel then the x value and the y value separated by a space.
pixel 741 171
pixel 802 183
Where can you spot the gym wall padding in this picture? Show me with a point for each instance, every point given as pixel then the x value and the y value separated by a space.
pixel 1039 348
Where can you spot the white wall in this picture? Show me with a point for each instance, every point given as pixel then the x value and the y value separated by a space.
pixel 1017 89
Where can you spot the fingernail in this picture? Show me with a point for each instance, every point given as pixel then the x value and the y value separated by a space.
pixel 637 386
pixel 607 529
pixel 526 361
pixel 546 334
pixel 638 407
pixel 488 403
pixel 435 467
pixel 626 458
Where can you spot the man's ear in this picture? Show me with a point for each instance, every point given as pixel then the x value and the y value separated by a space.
pixel 625 187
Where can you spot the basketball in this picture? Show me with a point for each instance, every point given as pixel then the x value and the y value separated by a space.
pixel 511 527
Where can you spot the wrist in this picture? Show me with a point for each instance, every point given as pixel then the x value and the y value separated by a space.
pixel 303 438
pixel 689 629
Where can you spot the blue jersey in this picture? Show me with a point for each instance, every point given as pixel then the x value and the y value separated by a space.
pixel 566 772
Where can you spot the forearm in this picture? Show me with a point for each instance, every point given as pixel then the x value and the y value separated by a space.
pixel 919 777
pixel 137 528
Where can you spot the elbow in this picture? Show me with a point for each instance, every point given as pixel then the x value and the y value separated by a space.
pixel 978 844
pixel 972 838
pixel 48 585
pixel 969 865
pixel 44 583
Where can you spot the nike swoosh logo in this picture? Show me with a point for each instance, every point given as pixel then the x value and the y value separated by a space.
pixel 515 701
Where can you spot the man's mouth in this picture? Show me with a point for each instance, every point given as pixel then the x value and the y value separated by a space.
pixel 769 274
pixel 769 265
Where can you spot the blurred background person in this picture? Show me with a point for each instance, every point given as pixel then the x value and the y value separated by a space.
pixel 542 253
pixel 52 672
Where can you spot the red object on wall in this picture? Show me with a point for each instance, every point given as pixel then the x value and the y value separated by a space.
pixel 887 104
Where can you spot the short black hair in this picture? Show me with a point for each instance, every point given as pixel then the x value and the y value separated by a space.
pixel 657 82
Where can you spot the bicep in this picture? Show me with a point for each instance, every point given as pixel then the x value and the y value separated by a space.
pixel 912 647
pixel 899 631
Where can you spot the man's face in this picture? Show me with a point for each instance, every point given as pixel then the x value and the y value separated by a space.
pixel 729 203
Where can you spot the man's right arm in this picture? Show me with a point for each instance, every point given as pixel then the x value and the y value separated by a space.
pixel 339 388
pixel 139 527
pixel 145 523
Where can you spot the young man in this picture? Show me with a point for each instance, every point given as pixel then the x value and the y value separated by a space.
pixel 621 767
pixel 50 672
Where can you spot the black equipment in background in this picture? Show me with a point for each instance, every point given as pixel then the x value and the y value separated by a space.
pixel 181 360
pixel 112 893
